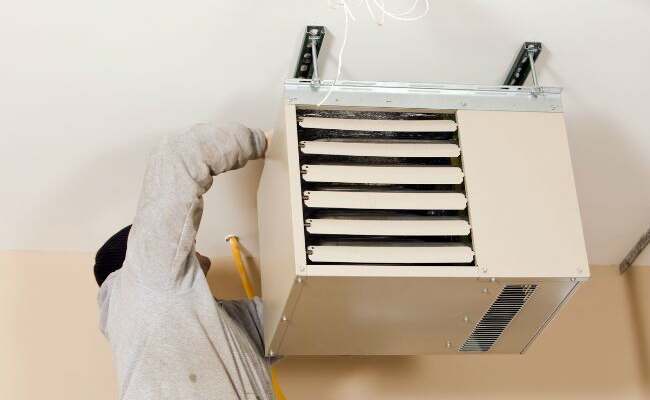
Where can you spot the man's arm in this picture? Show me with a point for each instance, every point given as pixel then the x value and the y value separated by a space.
pixel 160 252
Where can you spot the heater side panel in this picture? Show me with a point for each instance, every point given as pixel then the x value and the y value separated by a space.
pixel 521 194
pixel 277 241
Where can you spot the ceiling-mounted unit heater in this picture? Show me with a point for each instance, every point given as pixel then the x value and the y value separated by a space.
pixel 416 219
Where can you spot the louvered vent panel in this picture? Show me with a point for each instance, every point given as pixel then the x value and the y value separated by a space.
pixel 383 188
pixel 507 305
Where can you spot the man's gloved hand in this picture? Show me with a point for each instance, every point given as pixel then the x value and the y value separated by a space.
pixel 268 133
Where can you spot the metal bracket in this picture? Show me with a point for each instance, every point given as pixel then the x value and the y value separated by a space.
pixel 641 244
pixel 523 65
pixel 307 67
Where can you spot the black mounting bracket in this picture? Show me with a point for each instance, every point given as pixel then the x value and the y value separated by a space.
pixel 307 67
pixel 524 63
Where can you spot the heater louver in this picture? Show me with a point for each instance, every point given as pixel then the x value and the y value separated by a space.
pixel 510 301
pixel 383 188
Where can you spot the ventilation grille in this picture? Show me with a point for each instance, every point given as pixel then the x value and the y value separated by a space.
pixel 383 188
pixel 510 301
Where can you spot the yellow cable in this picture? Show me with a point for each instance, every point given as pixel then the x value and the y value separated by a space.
pixel 250 293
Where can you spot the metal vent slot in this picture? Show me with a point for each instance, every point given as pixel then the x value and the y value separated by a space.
pixel 382 174
pixel 386 148
pixel 378 125
pixel 504 309
pixel 388 226
pixel 331 134
pixel 383 253
pixel 385 200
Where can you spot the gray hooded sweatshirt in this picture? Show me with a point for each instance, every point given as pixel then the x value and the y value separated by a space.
pixel 170 338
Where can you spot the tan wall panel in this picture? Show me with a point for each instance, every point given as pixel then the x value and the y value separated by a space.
pixel 50 345
pixel 597 348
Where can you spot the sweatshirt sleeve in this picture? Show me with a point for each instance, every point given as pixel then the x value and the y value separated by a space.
pixel 160 251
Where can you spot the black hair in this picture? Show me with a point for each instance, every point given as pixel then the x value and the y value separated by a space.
pixel 110 256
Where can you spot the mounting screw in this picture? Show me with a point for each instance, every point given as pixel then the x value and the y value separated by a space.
pixel 466 319
pixel 573 279
pixel 493 280
pixel 284 318
pixel 271 353
pixel 485 270
pixel 449 344
pixel 299 279
pixel 485 290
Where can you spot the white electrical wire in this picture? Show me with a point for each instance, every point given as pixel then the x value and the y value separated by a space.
pixel 348 16
pixel 400 16
pixel 378 21
pixel 410 10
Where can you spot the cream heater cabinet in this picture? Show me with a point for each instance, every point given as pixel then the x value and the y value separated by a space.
pixel 402 219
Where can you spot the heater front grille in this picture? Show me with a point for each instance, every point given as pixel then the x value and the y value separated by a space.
pixel 507 305
pixel 383 188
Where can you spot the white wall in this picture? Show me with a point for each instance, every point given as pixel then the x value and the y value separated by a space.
pixel 87 88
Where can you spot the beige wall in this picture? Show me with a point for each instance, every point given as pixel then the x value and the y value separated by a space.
pixel 598 348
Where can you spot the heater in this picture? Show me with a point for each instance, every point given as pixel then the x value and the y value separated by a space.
pixel 403 219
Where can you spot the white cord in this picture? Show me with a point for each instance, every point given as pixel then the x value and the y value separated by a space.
pixel 378 21
pixel 401 16
pixel 410 10
pixel 348 16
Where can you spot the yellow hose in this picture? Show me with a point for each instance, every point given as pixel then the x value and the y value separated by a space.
pixel 250 293
pixel 239 264
pixel 279 395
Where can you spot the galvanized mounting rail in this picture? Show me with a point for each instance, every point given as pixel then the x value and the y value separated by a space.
pixel 523 65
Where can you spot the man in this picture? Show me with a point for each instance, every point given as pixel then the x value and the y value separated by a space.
pixel 170 338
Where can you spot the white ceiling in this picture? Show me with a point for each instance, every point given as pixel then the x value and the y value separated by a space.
pixel 87 88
